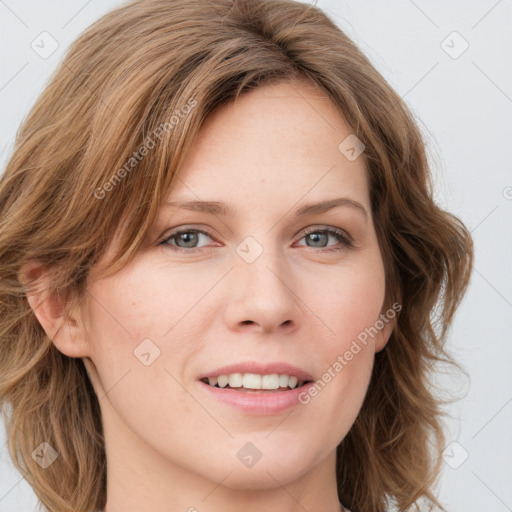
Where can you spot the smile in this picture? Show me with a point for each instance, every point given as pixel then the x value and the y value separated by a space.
pixel 256 401
pixel 255 382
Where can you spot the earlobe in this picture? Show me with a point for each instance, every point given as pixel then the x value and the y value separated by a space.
pixel 51 310
pixel 382 338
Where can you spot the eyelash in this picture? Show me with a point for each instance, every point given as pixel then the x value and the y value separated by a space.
pixel 338 234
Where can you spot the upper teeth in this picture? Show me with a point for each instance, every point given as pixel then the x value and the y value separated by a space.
pixel 255 381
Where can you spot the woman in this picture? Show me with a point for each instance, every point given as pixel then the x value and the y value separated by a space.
pixel 221 266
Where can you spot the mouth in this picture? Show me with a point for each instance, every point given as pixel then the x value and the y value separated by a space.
pixel 257 388
pixel 256 383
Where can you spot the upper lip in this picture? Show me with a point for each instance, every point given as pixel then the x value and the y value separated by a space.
pixel 259 368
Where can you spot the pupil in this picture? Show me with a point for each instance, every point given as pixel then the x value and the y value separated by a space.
pixel 189 238
pixel 315 236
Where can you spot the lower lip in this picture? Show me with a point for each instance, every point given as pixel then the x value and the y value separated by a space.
pixel 260 403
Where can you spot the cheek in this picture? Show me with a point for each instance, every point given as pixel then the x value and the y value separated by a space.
pixel 144 301
pixel 349 304
pixel 348 301
pixel 129 314
pixel 146 314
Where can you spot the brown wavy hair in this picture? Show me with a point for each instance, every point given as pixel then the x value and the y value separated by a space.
pixel 123 79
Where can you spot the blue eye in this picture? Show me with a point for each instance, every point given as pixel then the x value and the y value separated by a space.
pixel 190 238
pixel 317 235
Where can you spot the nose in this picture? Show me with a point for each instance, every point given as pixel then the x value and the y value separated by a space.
pixel 261 296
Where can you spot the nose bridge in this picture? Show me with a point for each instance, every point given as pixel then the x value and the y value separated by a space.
pixel 261 263
pixel 261 290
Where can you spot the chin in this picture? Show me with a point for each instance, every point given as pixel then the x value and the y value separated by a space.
pixel 277 467
pixel 265 477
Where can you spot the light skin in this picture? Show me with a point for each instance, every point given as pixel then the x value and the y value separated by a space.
pixel 169 445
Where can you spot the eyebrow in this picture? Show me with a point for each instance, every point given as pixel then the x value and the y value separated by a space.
pixel 222 209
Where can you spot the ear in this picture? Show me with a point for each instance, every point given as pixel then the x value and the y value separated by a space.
pixel 382 338
pixel 385 324
pixel 66 330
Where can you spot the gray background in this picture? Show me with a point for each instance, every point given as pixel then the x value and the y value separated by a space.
pixel 464 102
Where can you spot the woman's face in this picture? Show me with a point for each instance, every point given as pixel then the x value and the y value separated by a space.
pixel 259 284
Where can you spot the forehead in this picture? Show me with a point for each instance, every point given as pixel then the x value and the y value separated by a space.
pixel 278 142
